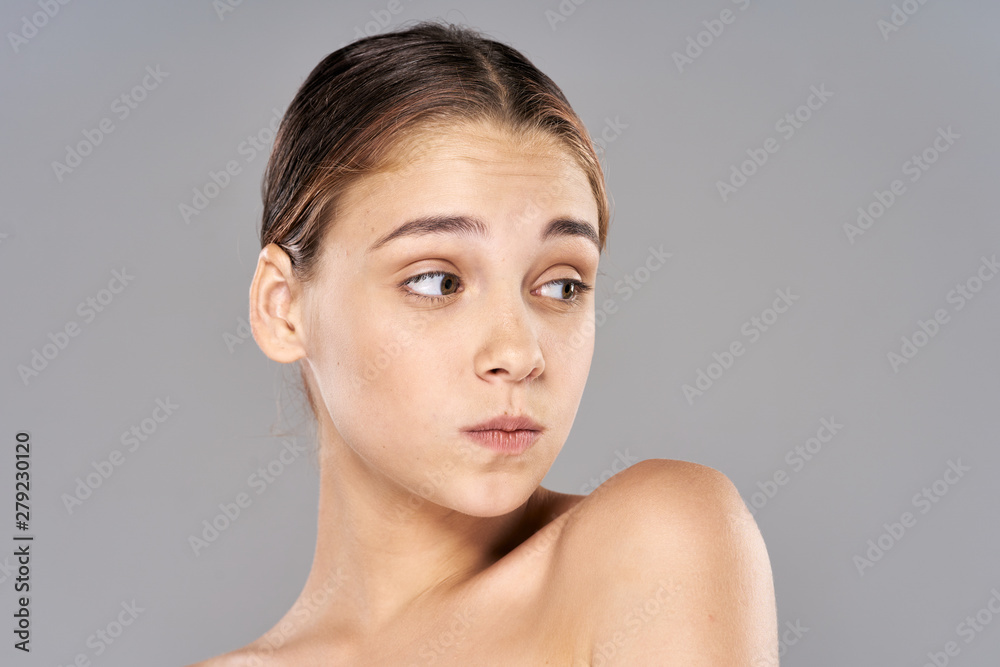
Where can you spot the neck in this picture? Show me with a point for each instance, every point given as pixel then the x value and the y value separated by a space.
pixel 380 548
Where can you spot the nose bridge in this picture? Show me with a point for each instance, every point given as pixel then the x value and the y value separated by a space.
pixel 510 340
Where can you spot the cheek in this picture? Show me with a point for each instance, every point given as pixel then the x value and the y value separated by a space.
pixel 377 359
pixel 380 382
pixel 569 350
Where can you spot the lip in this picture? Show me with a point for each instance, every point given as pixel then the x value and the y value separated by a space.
pixel 509 435
pixel 506 442
pixel 506 423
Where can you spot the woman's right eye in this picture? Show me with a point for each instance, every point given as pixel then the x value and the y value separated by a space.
pixel 425 285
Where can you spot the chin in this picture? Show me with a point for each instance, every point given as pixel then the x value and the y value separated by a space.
pixel 498 496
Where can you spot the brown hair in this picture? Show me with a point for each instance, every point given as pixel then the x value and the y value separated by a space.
pixel 364 102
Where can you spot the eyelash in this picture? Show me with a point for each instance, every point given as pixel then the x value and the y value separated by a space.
pixel 580 288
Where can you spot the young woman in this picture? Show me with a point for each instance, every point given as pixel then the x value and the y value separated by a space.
pixel 434 213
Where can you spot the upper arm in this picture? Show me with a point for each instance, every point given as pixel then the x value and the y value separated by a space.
pixel 679 572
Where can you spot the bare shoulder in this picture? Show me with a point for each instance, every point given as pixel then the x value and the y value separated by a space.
pixel 238 658
pixel 256 654
pixel 669 568
pixel 226 660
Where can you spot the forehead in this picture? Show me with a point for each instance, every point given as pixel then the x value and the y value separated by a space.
pixel 474 170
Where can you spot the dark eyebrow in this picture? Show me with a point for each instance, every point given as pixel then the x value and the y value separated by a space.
pixel 462 225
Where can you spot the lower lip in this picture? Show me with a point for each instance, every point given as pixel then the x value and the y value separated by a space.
pixel 508 442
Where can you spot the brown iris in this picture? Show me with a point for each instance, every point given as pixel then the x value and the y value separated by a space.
pixel 448 283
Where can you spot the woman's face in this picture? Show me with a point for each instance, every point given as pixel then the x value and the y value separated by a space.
pixel 413 339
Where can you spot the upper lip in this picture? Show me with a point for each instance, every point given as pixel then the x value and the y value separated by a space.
pixel 507 423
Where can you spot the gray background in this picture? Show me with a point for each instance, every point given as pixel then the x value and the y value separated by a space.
pixel 170 333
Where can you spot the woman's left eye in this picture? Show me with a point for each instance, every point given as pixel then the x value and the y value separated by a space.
pixel 439 285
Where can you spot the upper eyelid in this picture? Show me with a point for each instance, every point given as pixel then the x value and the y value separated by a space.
pixel 435 272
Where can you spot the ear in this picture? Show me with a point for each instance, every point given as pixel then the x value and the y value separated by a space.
pixel 276 306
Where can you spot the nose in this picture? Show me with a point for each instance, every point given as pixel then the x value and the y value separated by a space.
pixel 510 349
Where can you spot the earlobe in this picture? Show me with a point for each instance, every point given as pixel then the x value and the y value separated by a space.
pixel 275 300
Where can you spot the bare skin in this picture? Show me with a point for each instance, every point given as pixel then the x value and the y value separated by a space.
pixel 433 549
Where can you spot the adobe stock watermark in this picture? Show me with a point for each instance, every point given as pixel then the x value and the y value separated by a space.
pixel 122 106
pixel 104 637
pixel 7 570
pixel 627 286
pixel 259 482
pixel 632 282
pixel 452 636
pixel 404 338
pixel 786 126
pixel 915 167
pixel 656 605
pixel 924 501
pixel 299 614
pixel 381 19
pixel 562 12
pixel 532 209
pixel 132 439
pixel 32 23
pixel 547 536
pixel 610 132
pixel 621 461
pixel 238 336
pixel 899 17
pixel 88 309
pixel 248 149
pixel 225 7
pixel 791 635
pixel 697 44
pixel 967 630
pixel 752 329
pixel 796 458
pixel 926 330
pixel 433 480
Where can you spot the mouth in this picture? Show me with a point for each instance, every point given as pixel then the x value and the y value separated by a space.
pixel 507 442
pixel 509 435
